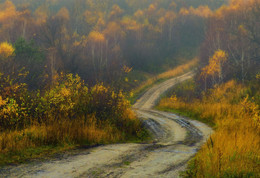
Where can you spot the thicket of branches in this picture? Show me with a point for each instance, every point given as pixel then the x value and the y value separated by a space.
pixel 231 49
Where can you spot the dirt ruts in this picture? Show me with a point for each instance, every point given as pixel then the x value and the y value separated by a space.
pixel 176 140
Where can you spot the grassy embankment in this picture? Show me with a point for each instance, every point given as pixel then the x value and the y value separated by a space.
pixel 179 70
pixel 68 115
pixel 233 110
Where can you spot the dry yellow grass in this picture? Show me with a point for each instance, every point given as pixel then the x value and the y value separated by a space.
pixel 64 132
pixel 234 148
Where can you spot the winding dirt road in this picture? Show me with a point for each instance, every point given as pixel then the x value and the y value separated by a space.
pixel 177 139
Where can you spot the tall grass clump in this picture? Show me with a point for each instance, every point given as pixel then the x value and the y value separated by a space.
pixel 234 149
pixel 68 113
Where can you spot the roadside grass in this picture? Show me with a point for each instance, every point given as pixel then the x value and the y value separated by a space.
pixel 27 154
pixel 179 70
pixel 66 116
pixel 39 141
pixel 231 108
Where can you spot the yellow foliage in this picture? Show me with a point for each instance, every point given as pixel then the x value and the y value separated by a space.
pixel 201 11
pixel 151 8
pixel 170 16
pixel 90 17
pixel 7 11
pixel 99 88
pixel 41 15
pixel 234 5
pixel 242 30
pixel 6 50
pixel 139 13
pixel 114 30
pixel 96 37
pixel 130 24
pixel 215 63
pixel 116 10
pixel 173 98
pixel 2 102
pixel 184 11
pixel 63 14
pixel 257 76
pixel 127 69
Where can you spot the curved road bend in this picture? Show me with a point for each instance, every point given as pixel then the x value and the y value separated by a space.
pixel 177 139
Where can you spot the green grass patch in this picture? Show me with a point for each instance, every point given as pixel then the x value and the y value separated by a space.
pixel 28 154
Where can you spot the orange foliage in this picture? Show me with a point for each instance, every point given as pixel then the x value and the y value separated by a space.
pixel 41 15
pixel 201 11
pixel 7 11
pixel 130 24
pixel 116 11
pixel 151 9
pixel 114 29
pixel 215 63
pixel 170 16
pixel 63 14
pixel 139 13
pixel 90 18
pixel 96 37
pixel 234 5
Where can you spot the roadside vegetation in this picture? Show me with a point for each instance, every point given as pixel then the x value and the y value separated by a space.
pixel 225 94
pixel 233 110
pixel 66 115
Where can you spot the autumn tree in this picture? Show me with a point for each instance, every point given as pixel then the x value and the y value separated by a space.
pixel 96 41
pixel 8 16
pixel 7 65
pixel 214 68
pixel 116 12
pixel 169 18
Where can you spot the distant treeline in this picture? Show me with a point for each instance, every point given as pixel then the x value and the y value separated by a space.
pixel 96 38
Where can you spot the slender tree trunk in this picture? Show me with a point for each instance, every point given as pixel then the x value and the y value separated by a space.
pixel 242 66
pixel 220 73
pixel 170 31
pixel 93 60
pixel 205 83
pixel 24 28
